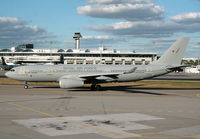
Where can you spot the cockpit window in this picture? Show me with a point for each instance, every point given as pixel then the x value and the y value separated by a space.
pixel 12 70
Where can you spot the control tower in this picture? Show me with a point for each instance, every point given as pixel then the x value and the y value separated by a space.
pixel 77 36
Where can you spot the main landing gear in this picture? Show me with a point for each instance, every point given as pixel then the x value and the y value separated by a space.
pixel 95 87
pixel 25 85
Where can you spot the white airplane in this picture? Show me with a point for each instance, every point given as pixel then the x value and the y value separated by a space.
pixel 72 76
pixel 195 70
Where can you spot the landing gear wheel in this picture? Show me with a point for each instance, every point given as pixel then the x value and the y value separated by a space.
pixel 98 87
pixel 95 87
pixel 25 86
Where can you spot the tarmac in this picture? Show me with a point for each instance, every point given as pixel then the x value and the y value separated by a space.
pixel 42 112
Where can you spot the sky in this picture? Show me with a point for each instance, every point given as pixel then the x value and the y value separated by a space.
pixel 131 25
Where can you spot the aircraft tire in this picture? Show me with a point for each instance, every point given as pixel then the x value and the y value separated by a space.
pixel 93 87
pixel 25 86
pixel 98 87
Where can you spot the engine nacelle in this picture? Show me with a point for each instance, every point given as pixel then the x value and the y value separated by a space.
pixel 70 83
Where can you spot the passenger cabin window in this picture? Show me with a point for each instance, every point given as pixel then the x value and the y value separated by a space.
pixel 12 70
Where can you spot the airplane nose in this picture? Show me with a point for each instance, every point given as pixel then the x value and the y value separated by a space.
pixel 7 74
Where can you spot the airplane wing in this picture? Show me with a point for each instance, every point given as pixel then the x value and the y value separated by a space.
pixel 95 76
pixel 71 81
pixel 105 76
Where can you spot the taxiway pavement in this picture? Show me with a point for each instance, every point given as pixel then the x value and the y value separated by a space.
pixel 117 112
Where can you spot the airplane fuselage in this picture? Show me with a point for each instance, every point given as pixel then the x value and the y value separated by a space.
pixel 55 72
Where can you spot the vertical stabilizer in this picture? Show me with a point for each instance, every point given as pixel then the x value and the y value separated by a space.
pixel 3 61
pixel 174 54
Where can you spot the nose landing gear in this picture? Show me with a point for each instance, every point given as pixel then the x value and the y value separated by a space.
pixel 25 85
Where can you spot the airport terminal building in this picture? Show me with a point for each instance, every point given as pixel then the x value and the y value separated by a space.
pixel 26 53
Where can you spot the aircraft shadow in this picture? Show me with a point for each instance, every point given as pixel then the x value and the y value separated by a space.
pixel 137 89
pixel 127 89
pixel 41 99
pixel 45 87
pixel 159 88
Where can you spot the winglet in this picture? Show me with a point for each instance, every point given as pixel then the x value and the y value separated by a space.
pixel 175 53
pixel 131 71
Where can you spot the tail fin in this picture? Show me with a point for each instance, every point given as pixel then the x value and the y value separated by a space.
pixel 3 61
pixel 175 53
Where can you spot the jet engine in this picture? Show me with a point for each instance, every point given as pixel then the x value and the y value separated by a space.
pixel 70 83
